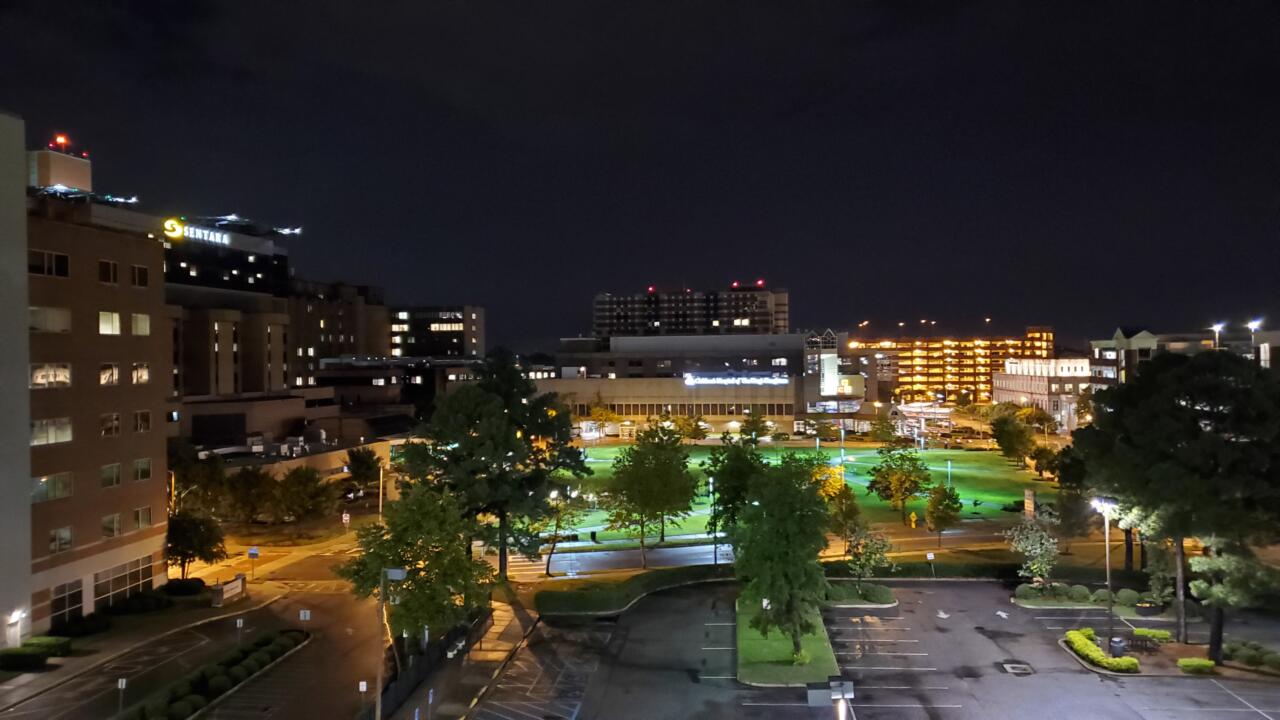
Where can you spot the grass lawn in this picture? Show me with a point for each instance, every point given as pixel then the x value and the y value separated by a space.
pixel 767 661
pixel 984 479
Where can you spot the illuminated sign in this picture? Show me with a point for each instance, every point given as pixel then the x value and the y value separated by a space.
pixel 694 380
pixel 175 229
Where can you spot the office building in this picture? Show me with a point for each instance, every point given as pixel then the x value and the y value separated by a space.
pixel 333 320
pixel 744 308
pixel 951 369
pixel 1053 385
pixel 15 397
pixel 1115 359
pixel 438 331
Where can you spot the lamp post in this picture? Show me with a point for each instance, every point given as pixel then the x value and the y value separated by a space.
pixel 715 529
pixel 1106 506
pixel 1253 326
pixel 379 492
pixel 387 574
pixel 1217 329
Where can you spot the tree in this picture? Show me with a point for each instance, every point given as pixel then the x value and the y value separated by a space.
pixel 1013 437
pixel 753 428
pixel 1230 577
pixel 496 443
pixel 844 517
pixel 776 548
pixel 1194 441
pixel 691 427
pixel 301 494
pixel 427 532
pixel 191 537
pixel 566 512
pixel 943 510
pixel 883 429
pixel 365 467
pixel 1160 574
pixel 899 477
pixel 1084 406
pixel 200 485
pixel 732 466
pixel 600 417
pixel 1045 460
pixel 1072 512
pixel 249 492
pixel 826 431
pixel 868 551
pixel 1038 548
pixel 652 484
pixel 1038 418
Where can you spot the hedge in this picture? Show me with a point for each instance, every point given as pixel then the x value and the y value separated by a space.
pixel 848 592
pixel 605 597
pixel 53 645
pixel 1163 636
pixel 1271 660
pixel 81 626
pixel 1083 645
pixel 1127 597
pixel 1079 593
pixel 1196 666
pixel 183 586
pixel 23 659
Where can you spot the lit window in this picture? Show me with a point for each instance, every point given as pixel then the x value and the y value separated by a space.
pixel 142 517
pixel 51 431
pixel 50 375
pixel 141 373
pixel 111 525
pixel 321 323
pixel 50 487
pixel 779 362
pixel 715 323
pixel 396 352
pixel 141 323
pixel 109 425
pixel 311 352
pixel 59 540
pixel 402 315
pixel 108 323
pixel 108 374
pixel 379 381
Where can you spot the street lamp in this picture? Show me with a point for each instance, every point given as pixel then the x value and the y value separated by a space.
pixel 1217 329
pixel 1106 506
pixel 387 575
pixel 1253 326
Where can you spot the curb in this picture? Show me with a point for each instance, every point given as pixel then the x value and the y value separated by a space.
pixel 638 598
pixel 865 606
pixel 135 646
pixel 218 700
pixel 1111 673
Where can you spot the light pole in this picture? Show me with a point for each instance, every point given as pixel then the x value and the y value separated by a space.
pixel 715 529
pixel 388 574
pixel 1217 329
pixel 1106 506
pixel 1253 326
pixel 379 492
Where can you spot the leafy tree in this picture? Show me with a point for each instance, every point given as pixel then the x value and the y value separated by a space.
pixel 1230 577
pixel 1072 512
pixel 733 466
pixel 250 492
pixel 691 427
pixel 943 510
pixel 191 537
pixel 844 517
pixel 496 443
pixel 992 413
pixel 652 484
pixel 566 512
pixel 753 428
pixel 826 431
pixel 1195 442
pixel 828 478
pixel 301 494
pixel 883 430
pixel 1084 406
pixel 365 467
pixel 1045 460
pixel 868 551
pixel 200 485
pixel 1038 418
pixel 1013 437
pixel 1160 573
pixel 427 532
pixel 776 548
pixel 899 477
pixel 601 416
pixel 1038 548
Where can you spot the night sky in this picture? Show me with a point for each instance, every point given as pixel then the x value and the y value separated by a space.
pixel 1077 164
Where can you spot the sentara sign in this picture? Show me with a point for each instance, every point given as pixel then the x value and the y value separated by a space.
pixel 176 229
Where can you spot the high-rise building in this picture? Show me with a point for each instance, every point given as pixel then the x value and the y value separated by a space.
pixel 334 320
pixel 742 308
pixel 951 369
pixel 439 331
pixel 15 431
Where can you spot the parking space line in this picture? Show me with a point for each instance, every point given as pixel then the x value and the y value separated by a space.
pixel 888 654
pixel 717 648
pixel 874 640
pixel 886 667
pixel 1242 700
pixel 720 624
pixel 901 705
pixel 903 687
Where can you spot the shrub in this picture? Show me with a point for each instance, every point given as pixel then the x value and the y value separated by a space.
pixel 878 594
pixel 196 702
pixel 1101 595
pixel 180 689
pixel 1082 645
pixel 1127 597
pixel 1026 591
pixel 250 666
pixel 800 658
pixel 296 635
pixel 53 645
pixel 238 674
pixel 81 626
pixel 266 639
pixel 148 601
pixel 1196 666
pixel 1089 633
pixel 180 586
pixel 23 659
pixel 180 711
pixel 157 710
pixel 1230 650
pixel 1271 660
pixel 1162 636
pixel 1254 645
pixel 209 671
pixel 219 684
pixel 1079 593
pixel 262 658
pixel 1250 657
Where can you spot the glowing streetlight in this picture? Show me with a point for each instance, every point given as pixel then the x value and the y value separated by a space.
pixel 1254 325
pixel 1217 329
pixel 1106 506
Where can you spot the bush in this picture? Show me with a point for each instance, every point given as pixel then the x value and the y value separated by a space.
pixel 1026 591
pixel 219 684
pixel 266 640
pixel 180 689
pixel 1089 633
pixel 180 711
pixel 1056 590
pixel 53 645
pixel 281 646
pixel 197 702
pixel 210 670
pixel 1101 595
pixel 1229 650
pixel 1196 666
pixel 81 626
pixel 1162 636
pixel 233 659
pixel 878 594
pixel 156 710
pixel 238 674
pixel 180 587
pixel 1254 645
pixel 1249 656
pixel 250 666
pixel 1126 597
pixel 800 658
pixel 143 602
pixel 1271 660
pixel 1079 593
pixel 23 659
pixel 1082 645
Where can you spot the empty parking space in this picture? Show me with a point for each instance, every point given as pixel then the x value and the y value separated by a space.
pixel 548 677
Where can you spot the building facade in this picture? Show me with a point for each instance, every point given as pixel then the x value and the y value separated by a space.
pixel 331 320
pixel 1052 385
pixel 740 309
pixel 438 331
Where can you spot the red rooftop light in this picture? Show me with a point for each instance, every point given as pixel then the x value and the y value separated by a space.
pixel 650 288
pixel 760 283
pixel 735 283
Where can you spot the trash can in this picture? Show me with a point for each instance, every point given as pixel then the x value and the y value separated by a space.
pixel 593 536
pixel 1118 647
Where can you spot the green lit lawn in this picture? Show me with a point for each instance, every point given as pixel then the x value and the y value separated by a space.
pixel 978 475
pixel 767 661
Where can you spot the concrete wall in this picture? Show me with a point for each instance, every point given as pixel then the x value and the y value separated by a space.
pixel 15 429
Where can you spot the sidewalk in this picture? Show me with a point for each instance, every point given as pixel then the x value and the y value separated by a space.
pixel 271 558
pixel 459 683
pixel 127 632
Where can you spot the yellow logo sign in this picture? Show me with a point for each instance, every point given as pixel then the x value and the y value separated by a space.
pixel 172 228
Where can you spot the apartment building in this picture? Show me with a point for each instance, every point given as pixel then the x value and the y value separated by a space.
pixel 1053 385
pixel 744 308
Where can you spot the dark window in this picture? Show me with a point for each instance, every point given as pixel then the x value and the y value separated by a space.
pixel 141 276
pixel 108 272
pixel 42 262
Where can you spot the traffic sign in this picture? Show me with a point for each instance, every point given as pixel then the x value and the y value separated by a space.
pixel 122 683
pixel 364 686
pixel 346 519
pixel 253 553
pixel 304 615
pixel 431 696
pixel 239 622
pixel 928 556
